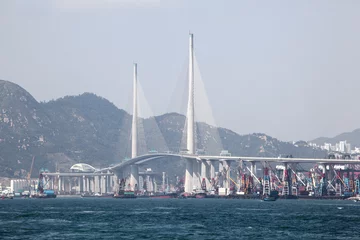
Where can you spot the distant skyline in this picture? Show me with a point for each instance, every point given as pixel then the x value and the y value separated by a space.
pixel 289 69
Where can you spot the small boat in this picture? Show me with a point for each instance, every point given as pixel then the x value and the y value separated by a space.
pixel 273 196
pixel 267 199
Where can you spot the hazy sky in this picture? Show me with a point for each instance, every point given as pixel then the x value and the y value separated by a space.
pixel 290 69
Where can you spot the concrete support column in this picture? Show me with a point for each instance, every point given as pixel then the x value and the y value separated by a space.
pixel 226 165
pixel 59 184
pixel 196 174
pixel 204 173
pixel 114 182
pixel 86 184
pixel 101 182
pixel 221 174
pixel 163 181
pixel 212 169
pixel 117 179
pixel 96 184
pixel 221 166
pixel 70 185
pixel 104 189
pixel 83 185
pixel 91 184
pixel 150 185
pixel 253 168
pixel 134 177
pixel 188 176
pixel 109 185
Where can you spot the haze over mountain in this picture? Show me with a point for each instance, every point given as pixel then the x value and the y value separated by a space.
pixel 88 128
pixel 352 137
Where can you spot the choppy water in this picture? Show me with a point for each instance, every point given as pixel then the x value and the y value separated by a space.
pixel 178 219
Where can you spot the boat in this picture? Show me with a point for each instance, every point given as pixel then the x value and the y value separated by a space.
pixel 97 195
pixel 186 195
pixel 7 196
pixel 267 199
pixel 273 196
pixel 122 193
pixel 41 192
pixel 44 194
pixel 87 194
pixel 166 195
pixel 200 194
pixel 289 197
pixel 125 194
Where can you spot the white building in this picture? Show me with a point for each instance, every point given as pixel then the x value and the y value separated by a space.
pixel 348 148
pixel 327 146
pixel 342 146
pixel 17 185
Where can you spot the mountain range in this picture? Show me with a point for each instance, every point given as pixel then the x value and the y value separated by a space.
pixel 351 137
pixel 90 129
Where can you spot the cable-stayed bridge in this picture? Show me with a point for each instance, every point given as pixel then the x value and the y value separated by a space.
pixel 200 169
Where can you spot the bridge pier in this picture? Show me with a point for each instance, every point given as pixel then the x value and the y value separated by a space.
pixel 212 169
pixel 204 173
pixel 103 184
pixel 83 189
pixel 92 185
pixel 59 184
pixel 196 175
pixel 226 170
pixel 221 174
pixel 134 177
pixel 188 176
pixel 96 184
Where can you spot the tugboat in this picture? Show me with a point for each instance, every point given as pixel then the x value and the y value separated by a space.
pixel 122 193
pixel 273 196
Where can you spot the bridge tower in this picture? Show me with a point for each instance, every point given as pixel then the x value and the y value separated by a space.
pixel 190 140
pixel 134 170
pixel 134 126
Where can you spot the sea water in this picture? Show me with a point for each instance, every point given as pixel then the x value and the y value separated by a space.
pixel 102 218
